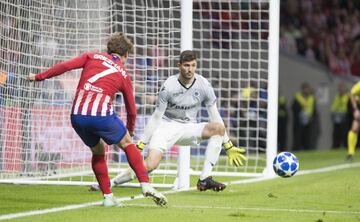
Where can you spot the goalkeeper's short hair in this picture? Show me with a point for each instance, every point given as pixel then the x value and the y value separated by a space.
pixel 187 56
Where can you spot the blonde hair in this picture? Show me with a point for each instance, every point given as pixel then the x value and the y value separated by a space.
pixel 119 44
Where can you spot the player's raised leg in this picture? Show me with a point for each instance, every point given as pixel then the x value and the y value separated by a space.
pixel 135 160
pixel 152 161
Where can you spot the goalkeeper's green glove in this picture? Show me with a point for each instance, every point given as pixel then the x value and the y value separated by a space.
pixel 235 154
pixel 140 145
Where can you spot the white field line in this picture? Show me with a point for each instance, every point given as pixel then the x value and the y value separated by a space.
pixel 254 180
pixel 255 209
pixel 330 168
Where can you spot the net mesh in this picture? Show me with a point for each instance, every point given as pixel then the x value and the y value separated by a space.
pixel 36 138
pixel 231 39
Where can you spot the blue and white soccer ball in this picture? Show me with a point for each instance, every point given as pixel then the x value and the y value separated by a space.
pixel 286 164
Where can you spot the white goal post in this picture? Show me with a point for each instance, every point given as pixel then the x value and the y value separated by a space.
pixel 237 47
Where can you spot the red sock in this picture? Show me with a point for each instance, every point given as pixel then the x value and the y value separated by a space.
pixel 101 172
pixel 136 162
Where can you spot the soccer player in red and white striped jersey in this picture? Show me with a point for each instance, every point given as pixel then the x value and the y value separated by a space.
pixel 92 115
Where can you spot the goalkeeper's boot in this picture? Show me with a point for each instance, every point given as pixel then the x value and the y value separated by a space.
pixel 110 201
pixel 209 183
pixel 94 187
pixel 149 191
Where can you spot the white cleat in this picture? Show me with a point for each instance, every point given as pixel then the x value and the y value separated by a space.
pixel 111 202
pixel 158 198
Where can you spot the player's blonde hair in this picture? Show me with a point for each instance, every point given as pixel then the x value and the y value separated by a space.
pixel 119 44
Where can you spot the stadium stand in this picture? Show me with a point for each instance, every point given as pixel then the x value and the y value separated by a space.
pixel 323 31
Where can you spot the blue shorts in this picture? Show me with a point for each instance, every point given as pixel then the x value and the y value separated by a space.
pixel 91 128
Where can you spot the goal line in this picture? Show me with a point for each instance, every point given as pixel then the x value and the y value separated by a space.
pixel 254 180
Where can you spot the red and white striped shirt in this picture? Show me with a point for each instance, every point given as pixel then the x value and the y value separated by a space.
pixel 103 75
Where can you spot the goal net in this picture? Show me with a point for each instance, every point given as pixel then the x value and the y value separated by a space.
pixel 37 143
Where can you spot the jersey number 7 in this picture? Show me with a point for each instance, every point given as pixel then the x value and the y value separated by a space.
pixel 111 69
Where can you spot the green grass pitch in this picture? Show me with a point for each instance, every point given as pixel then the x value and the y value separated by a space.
pixel 320 197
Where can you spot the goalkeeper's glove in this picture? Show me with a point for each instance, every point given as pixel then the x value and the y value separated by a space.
pixel 140 145
pixel 235 154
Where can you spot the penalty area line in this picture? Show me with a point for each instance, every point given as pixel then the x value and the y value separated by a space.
pixel 253 180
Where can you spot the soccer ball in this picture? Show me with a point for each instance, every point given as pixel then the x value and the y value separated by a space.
pixel 286 164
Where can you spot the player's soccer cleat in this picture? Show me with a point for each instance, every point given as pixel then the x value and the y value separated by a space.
pixel 94 187
pixel 111 202
pixel 350 157
pixel 158 198
pixel 209 183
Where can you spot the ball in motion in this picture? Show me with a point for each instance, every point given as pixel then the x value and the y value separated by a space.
pixel 285 164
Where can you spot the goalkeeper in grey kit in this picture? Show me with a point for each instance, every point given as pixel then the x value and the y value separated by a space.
pixel 174 122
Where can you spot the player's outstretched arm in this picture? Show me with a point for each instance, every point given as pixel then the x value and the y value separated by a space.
pixel 60 68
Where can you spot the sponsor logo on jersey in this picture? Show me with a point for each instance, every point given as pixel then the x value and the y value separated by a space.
pixel 181 107
pixel 184 107
pixel 89 87
pixel 175 94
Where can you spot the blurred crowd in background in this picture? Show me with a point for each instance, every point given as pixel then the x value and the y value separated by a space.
pixel 327 31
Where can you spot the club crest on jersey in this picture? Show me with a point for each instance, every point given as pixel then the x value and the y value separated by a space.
pixel 196 94
pixel 89 87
